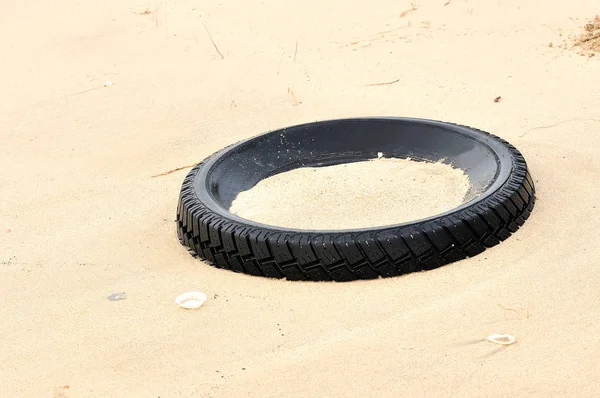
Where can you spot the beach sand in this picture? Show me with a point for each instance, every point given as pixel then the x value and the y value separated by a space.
pixel 364 194
pixel 81 216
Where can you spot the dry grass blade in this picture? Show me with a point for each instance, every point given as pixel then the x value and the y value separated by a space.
pixel 173 171
pixel 295 101
pixel 584 119
pixel 413 8
pixel 382 84
pixel 296 51
pixel 213 42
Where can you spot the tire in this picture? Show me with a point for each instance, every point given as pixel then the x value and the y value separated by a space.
pixel 501 199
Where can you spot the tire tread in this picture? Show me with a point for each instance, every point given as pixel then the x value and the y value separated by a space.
pixel 341 256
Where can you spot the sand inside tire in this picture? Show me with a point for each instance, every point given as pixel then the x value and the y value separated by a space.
pixel 364 194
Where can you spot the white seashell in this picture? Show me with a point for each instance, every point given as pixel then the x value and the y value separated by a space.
pixel 379 155
pixel 191 300
pixel 117 296
pixel 503 339
pixel 107 83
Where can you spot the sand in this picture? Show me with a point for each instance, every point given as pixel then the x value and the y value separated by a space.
pixel 354 195
pixel 81 217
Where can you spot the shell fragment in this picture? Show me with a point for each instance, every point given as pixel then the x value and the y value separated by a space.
pixel 502 339
pixel 191 300
pixel 117 296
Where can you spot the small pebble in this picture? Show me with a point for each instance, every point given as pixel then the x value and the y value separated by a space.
pixel 117 296
pixel 107 83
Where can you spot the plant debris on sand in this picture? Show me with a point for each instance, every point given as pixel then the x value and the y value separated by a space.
pixel 590 39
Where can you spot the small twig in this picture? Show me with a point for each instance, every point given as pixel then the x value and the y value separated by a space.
pixel 295 101
pixel 296 51
pixel 507 309
pixel 389 31
pixel 405 13
pixel 173 171
pixel 145 12
pixel 213 42
pixel 448 2
pixel 413 8
pixel 382 84
pixel 559 123
pixel 516 311
pixel 83 91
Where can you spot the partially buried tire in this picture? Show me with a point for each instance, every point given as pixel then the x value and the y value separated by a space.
pixel 500 199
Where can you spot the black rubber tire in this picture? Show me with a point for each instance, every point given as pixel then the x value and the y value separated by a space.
pixel 227 241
